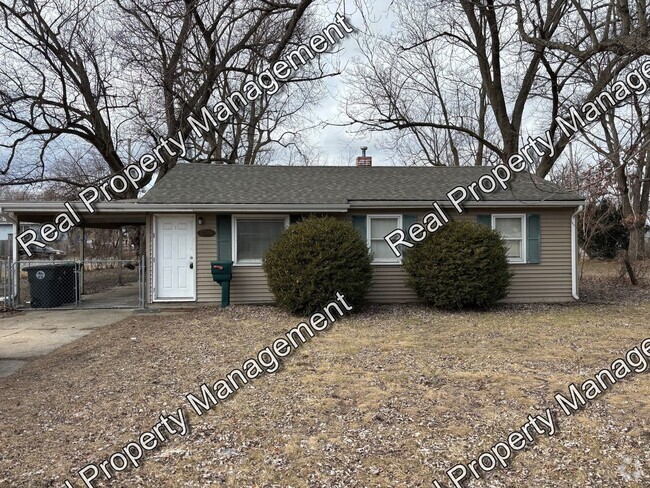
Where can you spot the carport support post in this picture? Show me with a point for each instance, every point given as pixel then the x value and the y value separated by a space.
pixel 82 258
pixel 142 284
pixel 120 243
pixel 15 259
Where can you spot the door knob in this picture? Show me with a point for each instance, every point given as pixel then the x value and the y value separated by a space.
pixel 191 265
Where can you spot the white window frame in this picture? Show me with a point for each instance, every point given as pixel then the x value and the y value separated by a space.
pixel 524 235
pixel 394 261
pixel 256 263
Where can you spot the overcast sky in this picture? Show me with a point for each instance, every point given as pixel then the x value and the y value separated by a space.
pixel 339 145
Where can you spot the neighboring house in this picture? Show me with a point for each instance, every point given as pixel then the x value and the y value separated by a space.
pixel 5 229
pixel 200 213
pixel 7 232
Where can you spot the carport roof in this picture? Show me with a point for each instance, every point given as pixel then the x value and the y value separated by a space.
pixel 108 215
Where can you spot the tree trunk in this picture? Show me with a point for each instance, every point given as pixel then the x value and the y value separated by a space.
pixel 636 247
pixel 630 270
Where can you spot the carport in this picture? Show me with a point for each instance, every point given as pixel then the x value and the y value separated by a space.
pixel 113 282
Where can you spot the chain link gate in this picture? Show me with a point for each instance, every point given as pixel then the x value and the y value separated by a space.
pixel 61 285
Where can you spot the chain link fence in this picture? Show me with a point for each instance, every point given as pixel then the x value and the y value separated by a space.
pixel 74 284
pixel 44 284
pixel 5 284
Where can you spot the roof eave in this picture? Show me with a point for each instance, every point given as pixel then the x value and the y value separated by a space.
pixel 375 204
pixel 140 208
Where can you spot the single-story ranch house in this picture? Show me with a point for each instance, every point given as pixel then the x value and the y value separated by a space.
pixel 200 213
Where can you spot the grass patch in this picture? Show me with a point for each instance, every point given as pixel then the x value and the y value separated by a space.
pixel 394 396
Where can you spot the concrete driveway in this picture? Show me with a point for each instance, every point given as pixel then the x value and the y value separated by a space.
pixel 27 335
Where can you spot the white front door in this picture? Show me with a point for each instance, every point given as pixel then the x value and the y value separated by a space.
pixel 174 254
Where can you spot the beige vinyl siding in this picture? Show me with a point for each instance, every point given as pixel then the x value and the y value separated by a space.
pixel 549 281
pixel 249 285
pixel 388 286
pixel 207 291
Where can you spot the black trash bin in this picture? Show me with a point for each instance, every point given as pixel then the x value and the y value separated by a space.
pixel 52 285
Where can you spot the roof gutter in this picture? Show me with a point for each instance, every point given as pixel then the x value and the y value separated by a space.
pixel 140 208
pixel 574 252
pixel 135 207
pixel 372 204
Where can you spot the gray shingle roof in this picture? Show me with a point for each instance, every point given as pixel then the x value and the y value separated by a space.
pixel 225 184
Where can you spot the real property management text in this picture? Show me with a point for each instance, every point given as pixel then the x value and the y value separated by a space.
pixel 268 81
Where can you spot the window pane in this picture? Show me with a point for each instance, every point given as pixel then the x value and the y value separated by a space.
pixel 508 227
pixel 380 228
pixel 254 237
pixel 382 251
pixel 514 249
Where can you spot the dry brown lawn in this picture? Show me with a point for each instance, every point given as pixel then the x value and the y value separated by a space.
pixel 392 397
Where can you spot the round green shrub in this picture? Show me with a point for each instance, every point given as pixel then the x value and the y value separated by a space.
pixel 313 260
pixel 463 265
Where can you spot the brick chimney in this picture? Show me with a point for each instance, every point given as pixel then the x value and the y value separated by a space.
pixel 364 160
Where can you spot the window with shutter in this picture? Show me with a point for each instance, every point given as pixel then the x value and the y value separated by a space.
pixel 379 226
pixel 522 233
pixel 254 235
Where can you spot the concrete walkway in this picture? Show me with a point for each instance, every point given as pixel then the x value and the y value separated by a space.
pixel 27 335
pixel 125 296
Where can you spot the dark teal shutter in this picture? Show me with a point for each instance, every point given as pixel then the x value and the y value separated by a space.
pixel 295 218
pixel 224 237
pixel 533 229
pixel 408 221
pixel 359 223
pixel 484 220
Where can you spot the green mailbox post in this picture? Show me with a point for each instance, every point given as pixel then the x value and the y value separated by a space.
pixel 222 274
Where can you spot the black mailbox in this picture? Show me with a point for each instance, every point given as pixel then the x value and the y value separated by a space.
pixel 222 274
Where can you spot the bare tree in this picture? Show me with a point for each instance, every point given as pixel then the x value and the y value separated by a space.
pixel 457 52
pixel 623 144
pixel 608 34
pixel 421 92
pixel 95 74
pixel 620 143
pixel 56 82
pixel 206 51
pixel 507 61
